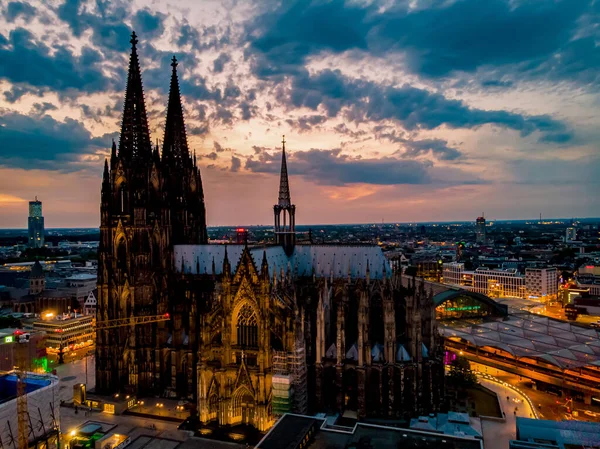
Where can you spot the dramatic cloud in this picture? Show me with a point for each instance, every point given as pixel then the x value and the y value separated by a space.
pixel 537 38
pixel 413 107
pixel 42 142
pixel 438 103
pixel 148 24
pixel 19 9
pixel 26 61
pixel 437 147
pixel 331 167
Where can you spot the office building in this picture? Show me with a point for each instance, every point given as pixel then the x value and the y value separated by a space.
pixel 588 278
pixel 571 235
pixel 66 333
pixel 480 230
pixel 495 283
pixel 36 224
pixel 541 283
pixel 499 283
pixel 32 345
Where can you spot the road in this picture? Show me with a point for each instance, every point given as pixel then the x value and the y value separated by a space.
pixel 546 403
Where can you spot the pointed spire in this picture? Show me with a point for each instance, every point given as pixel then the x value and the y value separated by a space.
pixel 106 174
pixel 226 264
pixel 264 269
pixel 175 147
pixel 135 136
pixel 113 151
pixel 284 185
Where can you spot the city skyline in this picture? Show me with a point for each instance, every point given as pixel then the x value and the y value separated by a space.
pixel 394 120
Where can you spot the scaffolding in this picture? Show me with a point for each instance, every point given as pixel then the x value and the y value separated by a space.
pixel 297 367
pixel 289 382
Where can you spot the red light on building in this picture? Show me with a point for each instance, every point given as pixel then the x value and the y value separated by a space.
pixel 167 315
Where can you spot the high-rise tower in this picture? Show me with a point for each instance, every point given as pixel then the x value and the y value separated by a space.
pixel 284 210
pixel 35 224
pixel 480 229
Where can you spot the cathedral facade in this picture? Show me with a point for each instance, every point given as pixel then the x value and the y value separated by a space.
pixel 253 330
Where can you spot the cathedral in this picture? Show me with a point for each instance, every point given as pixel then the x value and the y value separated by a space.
pixel 253 331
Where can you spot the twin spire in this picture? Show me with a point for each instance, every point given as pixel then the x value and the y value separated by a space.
pixel 135 136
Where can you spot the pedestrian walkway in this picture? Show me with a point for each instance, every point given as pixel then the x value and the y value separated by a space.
pixel 496 434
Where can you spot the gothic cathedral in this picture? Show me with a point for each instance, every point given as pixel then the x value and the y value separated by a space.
pixel 254 332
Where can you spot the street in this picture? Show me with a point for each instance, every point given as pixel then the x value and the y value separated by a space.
pixel 552 407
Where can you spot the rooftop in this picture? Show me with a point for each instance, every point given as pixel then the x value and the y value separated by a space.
pixel 561 434
pixel 8 385
pixel 291 430
pixel 557 342
pixel 322 260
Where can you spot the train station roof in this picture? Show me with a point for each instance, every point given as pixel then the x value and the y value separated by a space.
pixel 562 344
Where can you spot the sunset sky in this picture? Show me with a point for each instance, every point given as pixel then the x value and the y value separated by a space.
pixel 415 110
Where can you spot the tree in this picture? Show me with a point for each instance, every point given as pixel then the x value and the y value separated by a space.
pixel 460 374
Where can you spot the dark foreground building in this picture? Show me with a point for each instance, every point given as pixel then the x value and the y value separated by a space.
pixel 248 325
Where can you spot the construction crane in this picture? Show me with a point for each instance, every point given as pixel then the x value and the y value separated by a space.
pixel 128 323
pixel 131 321
pixel 21 373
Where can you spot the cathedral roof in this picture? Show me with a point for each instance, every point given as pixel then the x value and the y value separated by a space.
pixel 322 260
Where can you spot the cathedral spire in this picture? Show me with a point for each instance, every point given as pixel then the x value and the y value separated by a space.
pixel 135 137
pixel 284 185
pixel 106 176
pixel 175 147
pixel 284 210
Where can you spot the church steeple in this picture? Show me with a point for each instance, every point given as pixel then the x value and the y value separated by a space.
pixel 284 185
pixel 175 147
pixel 135 137
pixel 182 180
pixel 284 210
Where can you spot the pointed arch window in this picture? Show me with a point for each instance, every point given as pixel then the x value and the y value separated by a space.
pixel 247 327
pixel 123 198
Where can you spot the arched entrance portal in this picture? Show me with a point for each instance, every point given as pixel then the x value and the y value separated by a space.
pixel 243 406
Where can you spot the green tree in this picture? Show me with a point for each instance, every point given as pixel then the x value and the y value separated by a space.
pixel 461 375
